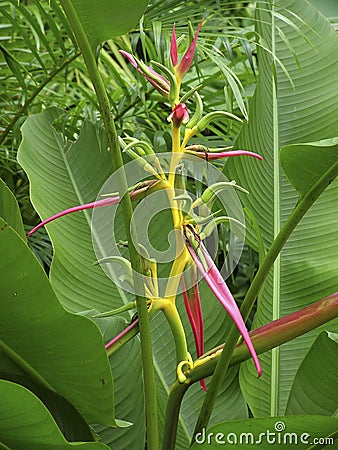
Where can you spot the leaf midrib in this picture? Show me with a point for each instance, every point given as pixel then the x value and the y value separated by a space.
pixel 274 385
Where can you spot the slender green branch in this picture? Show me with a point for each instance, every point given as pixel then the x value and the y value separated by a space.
pixel 127 211
pixel 302 207
pixel 35 93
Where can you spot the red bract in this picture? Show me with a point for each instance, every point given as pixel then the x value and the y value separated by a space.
pixel 210 273
pixel 104 202
pixel 119 336
pixel 160 83
pixel 193 307
pixel 188 57
pixel 173 47
pixel 212 156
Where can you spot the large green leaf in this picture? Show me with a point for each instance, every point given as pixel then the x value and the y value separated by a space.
pixel 284 113
pixel 327 7
pixel 9 209
pixel 61 351
pixel 64 174
pixel 287 432
pixel 69 420
pixel 25 424
pixel 314 390
pixel 103 19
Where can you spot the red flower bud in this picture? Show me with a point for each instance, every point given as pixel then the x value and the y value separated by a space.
pixel 179 115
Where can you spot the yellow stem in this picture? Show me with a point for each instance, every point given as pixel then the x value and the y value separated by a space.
pixel 176 273
pixel 189 133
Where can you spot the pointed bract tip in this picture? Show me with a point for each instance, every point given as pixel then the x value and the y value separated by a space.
pixel 130 58
pixel 203 385
pixel 189 55
pixel 173 47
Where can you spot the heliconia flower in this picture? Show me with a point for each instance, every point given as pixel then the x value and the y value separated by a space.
pixel 160 83
pixel 193 307
pixel 104 202
pixel 179 115
pixel 212 156
pixel 210 273
pixel 182 68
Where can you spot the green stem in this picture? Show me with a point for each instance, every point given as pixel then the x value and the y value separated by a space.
pixel 302 207
pixel 127 211
pixel 176 394
pixel 264 339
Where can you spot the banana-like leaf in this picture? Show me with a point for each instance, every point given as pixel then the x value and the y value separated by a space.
pixel 289 432
pixel 103 19
pixel 314 390
pixel 327 7
pixel 9 209
pixel 58 350
pixel 25 423
pixel 64 174
pixel 283 113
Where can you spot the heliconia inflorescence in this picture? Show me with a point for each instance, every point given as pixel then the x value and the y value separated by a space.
pixel 195 257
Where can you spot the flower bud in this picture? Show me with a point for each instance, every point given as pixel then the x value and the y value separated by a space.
pixel 179 115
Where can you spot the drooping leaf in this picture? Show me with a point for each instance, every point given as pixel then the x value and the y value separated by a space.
pixel 314 390
pixel 64 174
pixel 25 423
pixel 9 209
pixel 305 164
pixel 104 19
pixel 282 113
pixel 59 350
pixel 289 432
